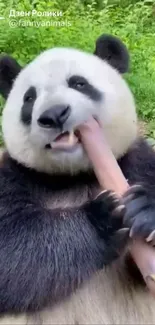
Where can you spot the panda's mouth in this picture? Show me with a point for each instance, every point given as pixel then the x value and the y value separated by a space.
pixel 65 141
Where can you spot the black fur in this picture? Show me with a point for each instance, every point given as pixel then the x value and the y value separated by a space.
pixel 46 254
pixel 9 69
pixel 27 108
pixel 82 85
pixel 111 49
pixel 139 167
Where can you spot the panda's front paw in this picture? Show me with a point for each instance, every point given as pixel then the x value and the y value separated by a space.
pixel 139 214
pixel 107 214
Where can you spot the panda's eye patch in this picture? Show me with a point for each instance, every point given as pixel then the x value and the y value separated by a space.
pixel 30 95
pixel 82 85
pixel 77 82
pixel 27 107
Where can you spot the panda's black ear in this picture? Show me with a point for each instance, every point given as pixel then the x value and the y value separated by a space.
pixel 114 51
pixel 9 69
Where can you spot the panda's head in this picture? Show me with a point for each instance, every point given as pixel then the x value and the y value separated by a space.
pixel 60 89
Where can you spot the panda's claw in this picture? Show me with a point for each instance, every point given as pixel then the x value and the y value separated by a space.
pixel 109 211
pixel 107 215
pixel 151 237
pixel 122 231
pixel 139 214
pixel 107 194
pixel 100 193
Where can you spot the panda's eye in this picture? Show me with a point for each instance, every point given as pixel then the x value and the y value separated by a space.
pixel 28 99
pixel 77 82
pixel 80 84
pixel 30 95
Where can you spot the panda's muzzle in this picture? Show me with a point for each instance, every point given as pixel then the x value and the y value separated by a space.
pixel 55 117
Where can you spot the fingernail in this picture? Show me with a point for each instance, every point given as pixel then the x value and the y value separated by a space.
pixel 150 282
pixel 150 277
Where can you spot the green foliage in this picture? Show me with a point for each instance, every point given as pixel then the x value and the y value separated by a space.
pixel 79 26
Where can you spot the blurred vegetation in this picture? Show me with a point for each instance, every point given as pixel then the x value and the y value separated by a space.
pixel 81 23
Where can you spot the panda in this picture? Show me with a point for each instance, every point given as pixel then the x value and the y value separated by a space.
pixel 64 256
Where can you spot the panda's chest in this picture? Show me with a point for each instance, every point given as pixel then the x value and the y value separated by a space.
pixel 70 196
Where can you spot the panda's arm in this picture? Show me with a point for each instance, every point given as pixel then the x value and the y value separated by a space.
pixel 138 166
pixel 46 254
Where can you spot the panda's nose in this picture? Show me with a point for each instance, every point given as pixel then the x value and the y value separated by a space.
pixel 54 117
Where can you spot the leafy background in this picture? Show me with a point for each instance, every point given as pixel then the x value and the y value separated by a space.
pixel 132 21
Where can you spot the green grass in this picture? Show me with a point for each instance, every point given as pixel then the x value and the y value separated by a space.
pixel 132 21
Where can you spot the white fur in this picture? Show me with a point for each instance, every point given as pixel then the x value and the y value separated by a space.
pixel 49 73
pixel 109 298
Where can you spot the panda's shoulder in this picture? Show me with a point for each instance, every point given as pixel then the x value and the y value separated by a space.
pixel 141 149
pixel 138 164
pixel 10 173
